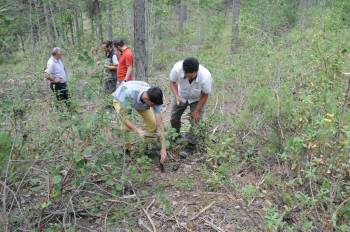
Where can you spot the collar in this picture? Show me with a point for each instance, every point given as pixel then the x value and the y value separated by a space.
pixel 55 60
pixel 139 99
pixel 196 79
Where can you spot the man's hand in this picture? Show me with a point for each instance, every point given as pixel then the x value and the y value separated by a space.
pixel 195 116
pixel 178 101
pixel 163 156
pixel 57 80
pixel 98 62
pixel 141 133
pixel 144 134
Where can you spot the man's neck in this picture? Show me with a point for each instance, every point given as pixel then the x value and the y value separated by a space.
pixel 142 97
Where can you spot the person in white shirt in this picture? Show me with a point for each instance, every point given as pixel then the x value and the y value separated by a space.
pixel 110 65
pixel 56 74
pixel 191 84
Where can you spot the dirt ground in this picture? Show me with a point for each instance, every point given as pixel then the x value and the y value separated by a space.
pixel 185 202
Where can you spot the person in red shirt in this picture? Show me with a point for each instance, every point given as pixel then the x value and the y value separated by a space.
pixel 126 61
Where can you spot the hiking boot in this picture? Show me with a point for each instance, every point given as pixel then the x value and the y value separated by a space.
pixel 189 150
pixel 152 154
pixel 180 140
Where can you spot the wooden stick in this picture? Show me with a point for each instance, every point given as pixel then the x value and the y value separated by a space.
pixel 150 204
pixel 203 210
pixel 212 225
pixel 143 225
pixel 150 220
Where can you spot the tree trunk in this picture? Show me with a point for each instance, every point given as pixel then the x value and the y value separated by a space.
pixel 53 23
pixel 140 40
pixel 48 26
pixel 98 15
pixel 72 30
pixel 93 28
pixel 78 29
pixel 160 37
pixel 182 16
pixel 22 42
pixel 37 10
pixel 110 20
pixel 235 24
pixel 31 24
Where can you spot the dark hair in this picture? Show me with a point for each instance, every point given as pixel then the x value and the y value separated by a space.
pixel 108 43
pixel 190 65
pixel 118 42
pixel 155 95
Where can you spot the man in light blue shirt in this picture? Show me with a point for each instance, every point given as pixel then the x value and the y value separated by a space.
pixel 140 96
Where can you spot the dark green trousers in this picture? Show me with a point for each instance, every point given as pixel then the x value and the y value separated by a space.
pixel 176 114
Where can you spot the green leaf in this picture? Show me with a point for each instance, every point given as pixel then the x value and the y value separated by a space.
pixel 57 179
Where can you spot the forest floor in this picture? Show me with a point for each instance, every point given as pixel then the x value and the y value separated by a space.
pixel 179 199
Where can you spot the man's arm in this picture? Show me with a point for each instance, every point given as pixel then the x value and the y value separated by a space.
pixel 196 113
pixel 132 127
pixel 175 91
pixel 52 78
pixel 111 67
pixel 128 73
pixel 160 125
pixel 114 65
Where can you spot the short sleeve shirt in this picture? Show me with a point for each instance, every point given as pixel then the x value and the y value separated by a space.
pixel 129 95
pixel 191 92
pixel 55 68
pixel 126 59
pixel 115 60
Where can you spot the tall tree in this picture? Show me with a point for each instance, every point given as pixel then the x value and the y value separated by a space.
pixel 98 13
pixel 110 20
pixel 140 40
pixel 182 15
pixel 53 20
pixel 235 24
pixel 48 26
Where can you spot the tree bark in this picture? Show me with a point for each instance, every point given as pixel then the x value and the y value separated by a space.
pixel 48 26
pixel 235 24
pixel 31 24
pixel 72 30
pixel 140 40
pixel 110 20
pixel 53 23
pixel 38 17
pixel 98 15
pixel 77 27
pixel 182 16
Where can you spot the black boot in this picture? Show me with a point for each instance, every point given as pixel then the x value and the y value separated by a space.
pixel 189 150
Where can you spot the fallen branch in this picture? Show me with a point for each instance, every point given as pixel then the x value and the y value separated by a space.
pixel 117 201
pixel 203 210
pixel 150 220
pixel 150 204
pixel 143 225
pixel 212 225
